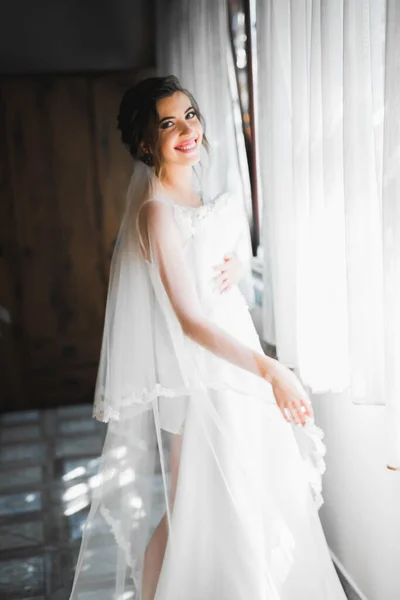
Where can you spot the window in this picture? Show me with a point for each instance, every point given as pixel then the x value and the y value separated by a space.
pixel 242 27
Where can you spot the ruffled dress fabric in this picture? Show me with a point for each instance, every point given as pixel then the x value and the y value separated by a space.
pixel 244 523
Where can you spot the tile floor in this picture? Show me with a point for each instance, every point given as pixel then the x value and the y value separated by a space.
pixel 38 541
pixel 40 529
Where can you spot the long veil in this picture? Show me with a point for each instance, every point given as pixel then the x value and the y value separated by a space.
pixel 231 424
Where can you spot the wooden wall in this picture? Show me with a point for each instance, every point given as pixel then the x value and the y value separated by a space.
pixel 63 176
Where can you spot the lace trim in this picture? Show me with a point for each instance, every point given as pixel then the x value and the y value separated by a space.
pixel 313 461
pixel 121 541
pixel 191 216
pixel 105 413
pixel 204 209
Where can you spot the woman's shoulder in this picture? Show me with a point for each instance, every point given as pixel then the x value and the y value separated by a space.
pixel 155 212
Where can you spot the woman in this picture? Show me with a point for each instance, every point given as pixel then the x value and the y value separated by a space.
pixel 210 480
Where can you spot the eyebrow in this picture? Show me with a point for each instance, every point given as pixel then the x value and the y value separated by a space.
pixel 167 118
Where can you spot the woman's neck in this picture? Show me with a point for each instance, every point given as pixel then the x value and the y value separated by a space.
pixel 178 180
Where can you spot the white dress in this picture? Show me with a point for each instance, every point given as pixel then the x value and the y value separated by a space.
pixel 244 524
pixel 219 552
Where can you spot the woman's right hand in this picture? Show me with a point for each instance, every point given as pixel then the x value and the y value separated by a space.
pixel 290 395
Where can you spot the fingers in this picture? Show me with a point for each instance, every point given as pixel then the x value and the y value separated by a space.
pixel 291 397
pixel 222 281
pixel 306 407
pixel 298 412
pixel 295 415
pixel 230 271
pixel 218 279
pixel 225 287
pixel 221 266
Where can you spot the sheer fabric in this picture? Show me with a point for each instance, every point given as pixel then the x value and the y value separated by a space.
pixel 328 101
pixel 391 229
pixel 193 43
pixel 177 357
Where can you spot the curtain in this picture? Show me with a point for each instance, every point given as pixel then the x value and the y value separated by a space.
pixel 328 99
pixel 193 44
pixel 391 226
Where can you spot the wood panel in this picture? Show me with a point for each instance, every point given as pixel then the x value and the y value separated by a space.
pixel 62 189
pixel 11 342
pixel 113 162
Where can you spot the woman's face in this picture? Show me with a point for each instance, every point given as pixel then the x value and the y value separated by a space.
pixel 180 132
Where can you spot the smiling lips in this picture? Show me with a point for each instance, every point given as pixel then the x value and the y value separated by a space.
pixel 187 146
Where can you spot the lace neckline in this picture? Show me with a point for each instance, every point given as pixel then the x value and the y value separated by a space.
pixel 186 207
pixel 205 206
pixel 175 204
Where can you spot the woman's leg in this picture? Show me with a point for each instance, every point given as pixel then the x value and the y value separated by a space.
pixel 155 550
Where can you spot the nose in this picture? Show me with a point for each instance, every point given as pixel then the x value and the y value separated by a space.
pixel 185 127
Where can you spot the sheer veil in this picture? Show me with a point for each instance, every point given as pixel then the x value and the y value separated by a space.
pixel 146 364
pixel 126 370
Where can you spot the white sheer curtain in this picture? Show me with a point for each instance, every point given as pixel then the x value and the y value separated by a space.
pixel 330 162
pixel 391 224
pixel 193 44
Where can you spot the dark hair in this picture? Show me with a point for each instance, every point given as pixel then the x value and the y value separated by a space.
pixel 138 118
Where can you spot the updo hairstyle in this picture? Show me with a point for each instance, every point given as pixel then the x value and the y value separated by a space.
pixel 138 117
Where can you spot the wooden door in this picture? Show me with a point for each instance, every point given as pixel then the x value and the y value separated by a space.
pixel 63 176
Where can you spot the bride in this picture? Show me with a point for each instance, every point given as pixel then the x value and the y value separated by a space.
pixel 210 478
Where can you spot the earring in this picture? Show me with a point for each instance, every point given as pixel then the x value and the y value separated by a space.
pixel 148 159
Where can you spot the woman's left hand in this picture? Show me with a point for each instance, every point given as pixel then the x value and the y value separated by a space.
pixel 230 272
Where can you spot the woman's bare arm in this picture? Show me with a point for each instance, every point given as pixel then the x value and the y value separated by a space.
pixel 164 238
pixel 166 242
